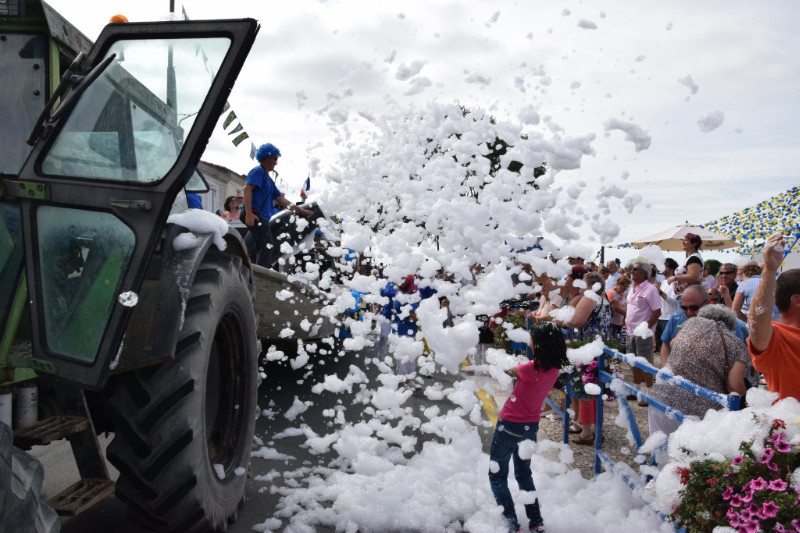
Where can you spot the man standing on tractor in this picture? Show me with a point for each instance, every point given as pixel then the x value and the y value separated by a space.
pixel 262 200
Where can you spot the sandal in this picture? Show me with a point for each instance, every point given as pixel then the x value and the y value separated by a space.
pixel 588 441
pixel 575 429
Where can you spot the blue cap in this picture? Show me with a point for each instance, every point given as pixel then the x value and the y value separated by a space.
pixel 267 150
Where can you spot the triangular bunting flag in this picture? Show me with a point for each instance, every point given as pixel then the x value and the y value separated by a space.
pixel 239 138
pixel 230 118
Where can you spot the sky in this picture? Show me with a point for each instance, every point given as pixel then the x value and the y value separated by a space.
pixel 691 106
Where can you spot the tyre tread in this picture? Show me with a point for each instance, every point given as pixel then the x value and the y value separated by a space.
pixel 158 435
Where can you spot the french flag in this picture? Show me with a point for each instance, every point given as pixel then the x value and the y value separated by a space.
pixel 306 186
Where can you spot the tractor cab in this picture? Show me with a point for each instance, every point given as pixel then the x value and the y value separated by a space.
pixel 96 146
pixel 36 47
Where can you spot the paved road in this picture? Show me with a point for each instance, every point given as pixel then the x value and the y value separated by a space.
pixel 276 394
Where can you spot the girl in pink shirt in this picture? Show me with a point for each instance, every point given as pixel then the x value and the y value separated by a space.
pixel 519 420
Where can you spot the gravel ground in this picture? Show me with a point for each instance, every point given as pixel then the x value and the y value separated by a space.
pixel 616 443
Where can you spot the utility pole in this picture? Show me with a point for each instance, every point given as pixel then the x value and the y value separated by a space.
pixel 172 91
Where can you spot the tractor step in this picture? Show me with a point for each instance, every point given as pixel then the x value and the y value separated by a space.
pixel 49 430
pixel 81 496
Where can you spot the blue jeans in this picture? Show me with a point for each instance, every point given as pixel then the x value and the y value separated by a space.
pixel 505 444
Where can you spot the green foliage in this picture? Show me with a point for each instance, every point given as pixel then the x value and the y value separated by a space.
pixel 749 493
pixel 713 266
pixel 517 320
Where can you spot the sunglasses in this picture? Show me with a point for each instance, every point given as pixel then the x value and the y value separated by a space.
pixel 692 308
pixel 726 272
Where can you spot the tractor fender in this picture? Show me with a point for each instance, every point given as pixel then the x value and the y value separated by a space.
pixel 157 318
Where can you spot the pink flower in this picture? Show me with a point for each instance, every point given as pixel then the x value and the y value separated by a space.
pixel 772 466
pixel 759 483
pixel 727 494
pixel 751 526
pixel 796 524
pixel 768 453
pixel 778 484
pixel 736 501
pixel 779 528
pixel 769 510
pixel 737 460
pixel 783 446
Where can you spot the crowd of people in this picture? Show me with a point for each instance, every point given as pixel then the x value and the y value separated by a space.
pixel 692 318
pixel 696 319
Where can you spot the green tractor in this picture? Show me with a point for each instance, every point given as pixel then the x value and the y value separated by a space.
pixel 127 320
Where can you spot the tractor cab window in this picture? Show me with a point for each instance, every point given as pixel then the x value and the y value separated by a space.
pixel 129 125
pixel 84 256
pixel 131 122
pixel 23 91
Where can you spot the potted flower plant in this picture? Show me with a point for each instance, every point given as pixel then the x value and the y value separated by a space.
pixel 749 493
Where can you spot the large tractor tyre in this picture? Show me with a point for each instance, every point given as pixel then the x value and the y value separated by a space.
pixel 184 429
pixel 21 507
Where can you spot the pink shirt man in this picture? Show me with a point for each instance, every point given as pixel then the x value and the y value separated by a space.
pixel 643 299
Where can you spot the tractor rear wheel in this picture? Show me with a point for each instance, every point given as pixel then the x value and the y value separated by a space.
pixel 184 429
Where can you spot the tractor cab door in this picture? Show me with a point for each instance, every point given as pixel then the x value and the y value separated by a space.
pixel 107 166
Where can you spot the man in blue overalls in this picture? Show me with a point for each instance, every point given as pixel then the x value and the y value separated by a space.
pixel 262 200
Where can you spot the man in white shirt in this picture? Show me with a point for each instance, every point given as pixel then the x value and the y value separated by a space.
pixel 611 281
pixel 669 300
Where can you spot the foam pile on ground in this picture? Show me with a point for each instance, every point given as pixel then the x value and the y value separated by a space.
pixel 445 488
